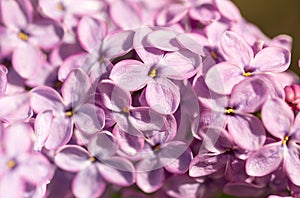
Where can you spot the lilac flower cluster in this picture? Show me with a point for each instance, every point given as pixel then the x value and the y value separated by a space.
pixel 122 98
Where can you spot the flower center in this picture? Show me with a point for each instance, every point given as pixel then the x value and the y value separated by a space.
pixel 125 110
pixel 102 59
pixel 70 113
pixel 11 164
pixel 229 111
pixel 285 140
pixel 92 159
pixel 152 73
pixel 60 7
pixel 247 74
pixel 156 147
pixel 213 55
pixel 23 36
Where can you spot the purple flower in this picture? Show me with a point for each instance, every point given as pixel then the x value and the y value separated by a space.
pixel 279 120
pixel 162 95
pixel 56 114
pixel 24 37
pixel 19 165
pixel 95 167
pixel 161 152
pixel 234 111
pixel 241 63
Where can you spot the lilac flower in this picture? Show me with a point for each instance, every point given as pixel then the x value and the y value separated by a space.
pixel 279 120
pixel 95 167
pixel 218 155
pixel 132 120
pixel 161 152
pixel 24 37
pixel 242 63
pixel 67 11
pixel 73 107
pixel 19 165
pixel 162 94
pixel 234 111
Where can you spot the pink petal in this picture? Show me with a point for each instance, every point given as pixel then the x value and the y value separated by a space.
pixel 27 60
pixel 118 44
pixel 205 13
pixel 17 134
pixel 250 94
pixel 182 186
pixel 15 107
pixel 215 139
pixel 61 133
pixel 45 34
pixel 147 179
pixel 3 79
pixel 103 145
pixel 292 165
pixel 144 119
pixel 75 89
pixel 277 117
pixel 129 143
pixel 171 14
pixel 130 74
pixel 42 128
pixel 45 98
pixel 72 158
pixel 113 97
pixel 91 32
pixel 50 9
pixel 247 131
pixel 21 15
pixel 203 165
pixel 35 169
pixel 163 39
pixel 179 65
pixel 222 77
pixel 117 170
pixel 126 14
pixel 228 10
pixel 88 183
pixel 236 48
pixel 71 63
pixel 272 59
pixel 176 157
pixel 265 160
pixel 145 51
pixel 89 118
pixel 163 96
pixel 11 185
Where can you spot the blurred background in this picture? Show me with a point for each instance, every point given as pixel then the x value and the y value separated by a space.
pixel 275 17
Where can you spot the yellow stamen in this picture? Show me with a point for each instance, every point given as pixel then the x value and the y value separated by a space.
pixel 229 110
pixel 92 159
pixel 102 59
pixel 285 139
pixel 247 74
pixel 58 84
pixel 60 7
pixel 23 36
pixel 152 73
pixel 156 147
pixel 11 164
pixel 125 110
pixel 69 113
pixel 213 55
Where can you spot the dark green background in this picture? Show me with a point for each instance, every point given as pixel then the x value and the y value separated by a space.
pixel 275 17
